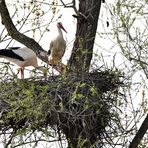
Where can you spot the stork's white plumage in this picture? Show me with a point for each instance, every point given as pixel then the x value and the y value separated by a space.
pixel 57 49
pixel 22 57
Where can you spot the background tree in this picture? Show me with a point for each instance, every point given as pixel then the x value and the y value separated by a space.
pixel 131 34
pixel 86 109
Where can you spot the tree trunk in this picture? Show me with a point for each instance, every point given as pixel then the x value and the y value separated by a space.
pixel 85 35
pixel 77 132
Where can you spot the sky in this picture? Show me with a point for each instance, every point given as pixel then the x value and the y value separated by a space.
pixel 69 22
pixel 66 18
pixel 105 46
pixel 70 25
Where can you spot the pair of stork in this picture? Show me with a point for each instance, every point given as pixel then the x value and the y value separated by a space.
pixel 24 57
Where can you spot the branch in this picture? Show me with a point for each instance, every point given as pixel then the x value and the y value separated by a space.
pixel 78 15
pixel 76 104
pixel 137 139
pixel 73 5
pixel 15 34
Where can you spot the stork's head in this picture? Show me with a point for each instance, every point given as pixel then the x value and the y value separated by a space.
pixel 59 25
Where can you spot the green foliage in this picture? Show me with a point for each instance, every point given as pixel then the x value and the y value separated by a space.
pixel 26 101
pixel 71 103
pixel 131 31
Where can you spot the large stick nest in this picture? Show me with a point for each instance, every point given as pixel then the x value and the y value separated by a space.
pixel 79 104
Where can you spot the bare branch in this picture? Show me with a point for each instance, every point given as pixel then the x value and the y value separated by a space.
pixel 65 5
pixel 57 109
pixel 73 5
pixel 137 139
pixel 15 34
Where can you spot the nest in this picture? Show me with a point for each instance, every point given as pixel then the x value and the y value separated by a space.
pixel 78 104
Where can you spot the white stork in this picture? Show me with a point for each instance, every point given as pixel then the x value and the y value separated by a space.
pixel 57 50
pixel 22 57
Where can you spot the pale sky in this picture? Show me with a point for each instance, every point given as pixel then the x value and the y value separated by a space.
pixel 70 25
pixel 106 46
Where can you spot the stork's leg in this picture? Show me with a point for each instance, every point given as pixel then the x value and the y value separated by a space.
pixel 54 67
pixel 52 70
pixel 22 72
pixel 60 67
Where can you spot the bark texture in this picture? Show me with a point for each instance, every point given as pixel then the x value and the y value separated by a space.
pixel 87 21
pixel 77 104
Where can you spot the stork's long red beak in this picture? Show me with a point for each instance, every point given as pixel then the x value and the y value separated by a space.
pixel 63 28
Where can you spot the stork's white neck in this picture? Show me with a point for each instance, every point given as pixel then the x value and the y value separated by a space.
pixel 60 32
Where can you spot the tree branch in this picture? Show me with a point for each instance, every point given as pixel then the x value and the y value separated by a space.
pixel 137 139
pixel 73 5
pixel 15 34
pixel 76 104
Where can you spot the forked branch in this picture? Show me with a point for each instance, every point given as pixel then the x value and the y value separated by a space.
pixel 15 34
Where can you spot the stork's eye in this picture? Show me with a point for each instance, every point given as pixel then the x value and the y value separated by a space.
pixel 59 23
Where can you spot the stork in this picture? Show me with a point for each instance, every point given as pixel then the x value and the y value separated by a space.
pixel 22 57
pixel 57 49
